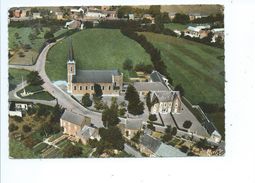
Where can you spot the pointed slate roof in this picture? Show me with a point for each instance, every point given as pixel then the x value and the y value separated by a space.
pixel 70 50
pixel 165 96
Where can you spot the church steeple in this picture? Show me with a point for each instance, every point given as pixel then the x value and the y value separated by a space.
pixel 70 51
pixel 71 69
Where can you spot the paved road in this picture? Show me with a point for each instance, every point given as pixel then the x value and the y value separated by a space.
pixel 63 99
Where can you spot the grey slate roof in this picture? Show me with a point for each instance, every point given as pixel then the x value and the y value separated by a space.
pixel 169 151
pixel 94 76
pixel 70 50
pixel 150 86
pixel 73 118
pixel 209 127
pixel 157 77
pixel 134 124
pixel 150 142
pixel 165 96
pixel 88 132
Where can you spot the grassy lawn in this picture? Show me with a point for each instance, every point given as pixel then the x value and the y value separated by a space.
pixel 17 75
pixel 95 49
pixel 174 26
pixel 18 150
pixel 39 96
pixel 193 65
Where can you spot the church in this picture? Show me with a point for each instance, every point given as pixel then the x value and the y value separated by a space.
pixel 80 82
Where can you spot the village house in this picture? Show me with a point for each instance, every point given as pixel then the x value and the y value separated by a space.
pixel 73 123
pixel 217 32
pixel 143 88
pixel 37 15
pixel 149 17
pixel 165 102
pixel 81 82
pixel 197 32
pixel 59 15
pixel 74 24
pixel 193 16
pixel 130 127
pixel 155 148
pixel 87 133
pixel 171 15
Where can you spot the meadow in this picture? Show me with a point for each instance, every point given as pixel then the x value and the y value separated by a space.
pixel 197 67
pixel 95 49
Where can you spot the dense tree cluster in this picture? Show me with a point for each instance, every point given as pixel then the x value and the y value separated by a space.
pixel 135 105
pixel 111 138
pixel 33 78
pixel 110 115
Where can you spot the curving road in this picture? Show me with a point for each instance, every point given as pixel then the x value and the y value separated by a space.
pixel 63 99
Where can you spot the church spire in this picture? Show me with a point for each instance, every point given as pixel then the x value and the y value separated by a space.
pixel 70 50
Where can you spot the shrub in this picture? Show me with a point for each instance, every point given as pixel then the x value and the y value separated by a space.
pixel 26 128
pixel 151 126
pixel 86 101
pixel 187 124
pixel 153 117
pixel 13 127
pixel 18 119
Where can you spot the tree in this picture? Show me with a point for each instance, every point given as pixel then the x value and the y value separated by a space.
pixel 13 127
pixel 180 89
pixel 26 128
pixel 154 10
pixel 98 91
pixel 48 35
pixel 110 115
pixel 148 101
pixel 168 134
pixel 72 151
pixel 152 117
pixel 181 18
pixel 135 106
pixel 86 101
pixel 187 124
pixel 33 78
pixel 113 137
pixel 128 65
pixel 99 104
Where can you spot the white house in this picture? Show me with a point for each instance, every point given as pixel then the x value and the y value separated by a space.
pixel 165 102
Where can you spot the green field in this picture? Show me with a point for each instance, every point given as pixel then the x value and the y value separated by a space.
pixel 174 26
pixel 95 49
pixel 197 67
pixel 19 150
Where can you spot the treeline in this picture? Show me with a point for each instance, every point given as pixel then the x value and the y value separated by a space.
pixel 35 22
pixel 154 53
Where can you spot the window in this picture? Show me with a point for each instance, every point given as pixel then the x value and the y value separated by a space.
pixel 109 87
pixel 92 87
pixel 71 68
pixel 80 87
pixel 74 87
pixel 102 87
pixel 86 87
